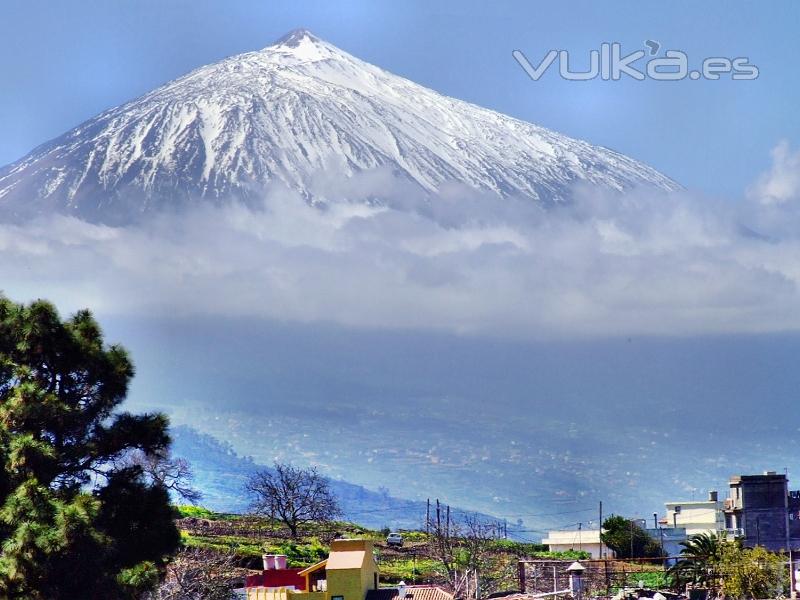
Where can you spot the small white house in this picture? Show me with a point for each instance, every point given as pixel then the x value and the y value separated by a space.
pixel 587 540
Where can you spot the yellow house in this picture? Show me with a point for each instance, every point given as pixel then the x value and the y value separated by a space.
pixel 349 572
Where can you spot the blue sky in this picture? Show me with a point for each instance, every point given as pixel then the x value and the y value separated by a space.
pixel 64 62
pixel 668 313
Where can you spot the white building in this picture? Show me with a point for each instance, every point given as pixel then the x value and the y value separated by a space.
pixel 587 540
pixel 696 516
pixel 683 519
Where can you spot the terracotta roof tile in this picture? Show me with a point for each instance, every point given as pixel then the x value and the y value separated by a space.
pixel 413 592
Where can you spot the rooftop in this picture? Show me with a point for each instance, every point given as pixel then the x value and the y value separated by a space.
pixel 768 476
pixel 345 554
pixel 412 592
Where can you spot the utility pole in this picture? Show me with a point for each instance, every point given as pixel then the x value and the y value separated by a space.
pixel 438 519
pixel 631 522
pixel 428 517
pixel 655 520
pixel 580 541
pixel 601 529
pixel 505 529
pixel 758 531
pixel 448 522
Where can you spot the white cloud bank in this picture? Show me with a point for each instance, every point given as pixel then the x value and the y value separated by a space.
pixel 642 263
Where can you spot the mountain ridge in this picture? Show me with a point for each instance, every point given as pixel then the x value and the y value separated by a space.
pixel 295 114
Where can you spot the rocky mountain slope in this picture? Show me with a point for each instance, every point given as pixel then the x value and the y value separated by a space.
pixel 305 115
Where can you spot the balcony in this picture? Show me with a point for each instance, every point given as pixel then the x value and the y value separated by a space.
pixel 734 532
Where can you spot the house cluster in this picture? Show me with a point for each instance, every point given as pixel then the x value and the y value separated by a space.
pixel 349 573
pixel 760 510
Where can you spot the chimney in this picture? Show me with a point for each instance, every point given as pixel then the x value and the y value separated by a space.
pixel 269 562
pixel 712 496
pixel 280 561
pixel 401 590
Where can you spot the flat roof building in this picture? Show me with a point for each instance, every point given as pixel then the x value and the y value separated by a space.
pixel 696 516
pixel 758 509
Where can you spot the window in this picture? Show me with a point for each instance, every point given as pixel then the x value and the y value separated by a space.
pixel 337 597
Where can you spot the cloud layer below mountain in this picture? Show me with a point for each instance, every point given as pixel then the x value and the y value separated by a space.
pixel 639 263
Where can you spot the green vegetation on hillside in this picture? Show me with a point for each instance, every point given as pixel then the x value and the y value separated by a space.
pixel 248 537
pixel 198 512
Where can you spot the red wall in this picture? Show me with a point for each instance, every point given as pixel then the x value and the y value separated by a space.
pixel 278 578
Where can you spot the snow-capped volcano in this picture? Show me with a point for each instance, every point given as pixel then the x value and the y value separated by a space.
pixel 288 114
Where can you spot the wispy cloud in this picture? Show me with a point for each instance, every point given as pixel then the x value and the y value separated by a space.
pixel 781 184
pixel 642 262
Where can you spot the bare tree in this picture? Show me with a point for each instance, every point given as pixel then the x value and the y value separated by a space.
pixel 443 540
pixel 292 495
pixel 463 548
pixel 478 537
pixel 174 473
pixel 197 574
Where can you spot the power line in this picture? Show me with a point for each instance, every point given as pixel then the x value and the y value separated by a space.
pixel 563 512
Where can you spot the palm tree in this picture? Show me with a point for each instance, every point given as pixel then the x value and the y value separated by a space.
pixel 699 558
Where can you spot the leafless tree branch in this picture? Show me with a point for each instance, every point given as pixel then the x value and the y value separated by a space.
pixel 292 495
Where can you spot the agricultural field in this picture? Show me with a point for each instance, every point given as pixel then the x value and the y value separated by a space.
pixel 247 537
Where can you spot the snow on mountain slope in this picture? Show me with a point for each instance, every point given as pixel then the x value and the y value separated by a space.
pixel 287 114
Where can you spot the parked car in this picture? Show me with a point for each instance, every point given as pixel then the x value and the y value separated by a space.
pixel 395 539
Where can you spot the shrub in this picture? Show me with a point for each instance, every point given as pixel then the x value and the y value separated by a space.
pixel 198 512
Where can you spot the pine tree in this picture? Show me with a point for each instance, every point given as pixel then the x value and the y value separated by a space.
pixel 76 520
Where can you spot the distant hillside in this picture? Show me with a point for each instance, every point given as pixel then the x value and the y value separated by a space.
pixel 220 474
